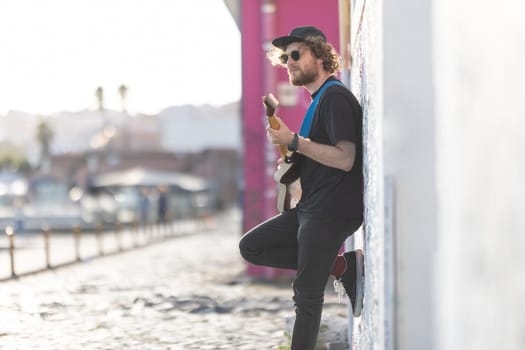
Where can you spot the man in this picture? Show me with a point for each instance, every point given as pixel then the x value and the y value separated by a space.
pixel 329 151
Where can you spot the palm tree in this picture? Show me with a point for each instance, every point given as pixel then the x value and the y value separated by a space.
pixel 99 93
pixel 44 136
pixel 123 92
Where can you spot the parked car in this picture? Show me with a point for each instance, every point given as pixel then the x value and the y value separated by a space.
pixel 98 207
pixel 50 205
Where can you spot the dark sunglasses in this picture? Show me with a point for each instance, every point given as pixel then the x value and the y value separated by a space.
pixel 294 55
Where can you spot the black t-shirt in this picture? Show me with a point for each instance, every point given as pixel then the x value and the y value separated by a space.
pixel 329 192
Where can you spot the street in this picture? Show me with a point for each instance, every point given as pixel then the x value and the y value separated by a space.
pixel 189 292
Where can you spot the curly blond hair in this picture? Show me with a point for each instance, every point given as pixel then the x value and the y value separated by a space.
pixel 320 49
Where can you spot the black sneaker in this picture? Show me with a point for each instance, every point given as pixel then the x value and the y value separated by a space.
pixel 353 280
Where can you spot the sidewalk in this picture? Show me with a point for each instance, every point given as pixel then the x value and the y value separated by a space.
pixel 185 293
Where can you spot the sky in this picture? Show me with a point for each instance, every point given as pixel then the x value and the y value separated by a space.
pixel 55 53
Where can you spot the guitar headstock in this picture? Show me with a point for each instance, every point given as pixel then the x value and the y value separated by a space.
pixel 270 103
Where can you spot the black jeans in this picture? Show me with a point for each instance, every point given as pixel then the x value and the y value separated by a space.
pixel 292 240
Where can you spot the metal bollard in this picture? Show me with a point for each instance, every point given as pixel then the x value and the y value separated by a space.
pixel 46 246
pixel 153 232
pixel 11 236
pixel 118 236
pixel 76 238
pixel 149 233
pixel 137 233
pixel 98 234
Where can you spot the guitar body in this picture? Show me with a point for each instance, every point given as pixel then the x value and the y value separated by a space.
pixel 287 174
pixel 289 186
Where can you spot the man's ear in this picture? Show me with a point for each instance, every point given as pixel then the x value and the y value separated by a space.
pixel 320 63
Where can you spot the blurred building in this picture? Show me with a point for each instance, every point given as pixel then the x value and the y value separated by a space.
pixel 200 140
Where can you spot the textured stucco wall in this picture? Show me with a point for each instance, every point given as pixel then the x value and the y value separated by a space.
pixel 394 61
pixel 366 83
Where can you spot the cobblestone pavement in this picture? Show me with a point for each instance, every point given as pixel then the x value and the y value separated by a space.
pixel 184 293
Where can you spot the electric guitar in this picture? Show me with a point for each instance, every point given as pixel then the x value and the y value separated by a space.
pixel 287 174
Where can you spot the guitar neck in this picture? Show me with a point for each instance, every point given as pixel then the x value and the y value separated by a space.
pixel 274 124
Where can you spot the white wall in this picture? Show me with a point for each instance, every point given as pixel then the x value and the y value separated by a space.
pixel 195 128
pixel 445 119
pixel 479 56
pixel 454 140
pixel 410 158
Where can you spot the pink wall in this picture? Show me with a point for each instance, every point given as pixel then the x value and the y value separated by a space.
pixel 253 133
pixel 294 13
pixel 259 78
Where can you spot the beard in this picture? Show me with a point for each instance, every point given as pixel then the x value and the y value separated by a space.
pixel 301 78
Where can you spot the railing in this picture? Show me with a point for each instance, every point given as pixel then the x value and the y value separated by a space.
pixel 104 240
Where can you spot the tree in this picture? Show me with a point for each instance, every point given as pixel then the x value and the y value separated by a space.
pixel 44 136
pixel 13 159
pixel 99 94
pixel 123 92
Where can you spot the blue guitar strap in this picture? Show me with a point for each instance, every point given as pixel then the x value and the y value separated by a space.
pixel 309 116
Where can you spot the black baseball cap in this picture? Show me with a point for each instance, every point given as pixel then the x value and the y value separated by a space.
pixel 297 34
